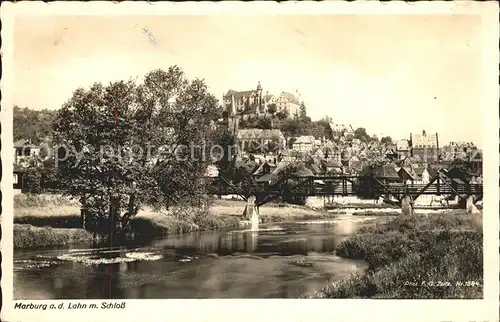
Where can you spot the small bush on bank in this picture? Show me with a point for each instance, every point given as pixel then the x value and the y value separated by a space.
pixel 180 220
pixel 63 221
pixel 30 236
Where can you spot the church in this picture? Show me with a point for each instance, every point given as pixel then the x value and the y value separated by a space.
pixel 251 102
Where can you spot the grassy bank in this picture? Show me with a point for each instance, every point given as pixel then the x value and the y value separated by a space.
pixel 407 253
pixel 31 236
pixel 44 220
pixel 51 217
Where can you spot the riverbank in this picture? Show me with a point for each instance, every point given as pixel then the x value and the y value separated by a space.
pixel 409 253
pixel 48 220
pixel 272 212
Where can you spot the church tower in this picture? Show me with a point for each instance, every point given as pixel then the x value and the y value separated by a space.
pixel 232 120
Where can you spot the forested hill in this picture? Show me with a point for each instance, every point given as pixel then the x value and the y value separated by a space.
pixel 32 124
pixel 36 125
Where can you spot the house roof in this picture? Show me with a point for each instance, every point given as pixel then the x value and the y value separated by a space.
pixel 407 172
pixel 238 94
pixel 457 180
pixel 260 169
pixel 309 139
pixel 265 178
pixel 250 134
pixel 22 143
pixel 390 152
pixel 419 170
pixel 303 171
pixel 357 165
pixel 325 149
pixel 478 157
pixel 281 166
pixel 354 158
pixel 268 97
pixel 386 171
pixel 297 168
pixel 315 169
pixel 331 163
pixel 289 97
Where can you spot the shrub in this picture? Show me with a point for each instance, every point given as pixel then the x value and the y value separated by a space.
pixel 30 236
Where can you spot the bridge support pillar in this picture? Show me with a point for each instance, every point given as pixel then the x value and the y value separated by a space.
pixel 406 206
pixel 470 206
pixel 252 212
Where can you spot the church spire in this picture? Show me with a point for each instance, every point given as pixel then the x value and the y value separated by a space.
pixel 233 106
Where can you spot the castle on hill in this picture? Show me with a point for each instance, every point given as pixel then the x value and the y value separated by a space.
pixel 256 103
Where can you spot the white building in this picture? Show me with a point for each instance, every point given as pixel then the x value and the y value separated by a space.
pixel 304 143
pixel 287 102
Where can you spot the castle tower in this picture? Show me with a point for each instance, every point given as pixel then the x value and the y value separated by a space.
pixel 259 95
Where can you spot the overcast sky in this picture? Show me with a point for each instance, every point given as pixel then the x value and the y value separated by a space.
pixel 391 74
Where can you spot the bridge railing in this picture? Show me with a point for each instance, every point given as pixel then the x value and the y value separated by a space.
pixel 338 185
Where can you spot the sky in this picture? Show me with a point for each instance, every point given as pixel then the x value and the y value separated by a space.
pixel 392 74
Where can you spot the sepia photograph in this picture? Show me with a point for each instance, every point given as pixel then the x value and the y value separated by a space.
pixel 259 156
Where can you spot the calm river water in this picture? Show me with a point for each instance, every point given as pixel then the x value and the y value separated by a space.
pixel 281 260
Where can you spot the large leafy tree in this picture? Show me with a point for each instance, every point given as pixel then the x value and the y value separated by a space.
pixel 134 143
pixel 302 111
pixel 386 140
pixel 227 152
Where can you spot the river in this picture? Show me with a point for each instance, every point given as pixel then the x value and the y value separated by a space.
pixel 280 260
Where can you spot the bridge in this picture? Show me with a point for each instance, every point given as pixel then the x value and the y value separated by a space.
pixel 367 186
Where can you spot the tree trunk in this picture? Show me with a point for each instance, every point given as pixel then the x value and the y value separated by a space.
pixel 83 212
pixel 132 209
pixel 114 215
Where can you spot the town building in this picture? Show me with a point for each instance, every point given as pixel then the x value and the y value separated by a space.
pixel 304 143
pixel 287 102
pixel 245 102
pixel 476 162
pixel 403 149
pixel 425 146
pixel 328 151
pixel 256 103
pixel 248 137
pixel 349 133
pixel 24 151
pixel 408 175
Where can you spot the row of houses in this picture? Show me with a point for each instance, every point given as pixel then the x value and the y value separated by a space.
pixel 269 170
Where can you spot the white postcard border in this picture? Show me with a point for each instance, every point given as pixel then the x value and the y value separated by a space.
pixel 253 310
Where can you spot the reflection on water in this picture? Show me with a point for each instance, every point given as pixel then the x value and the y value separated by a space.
pixel 277 261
